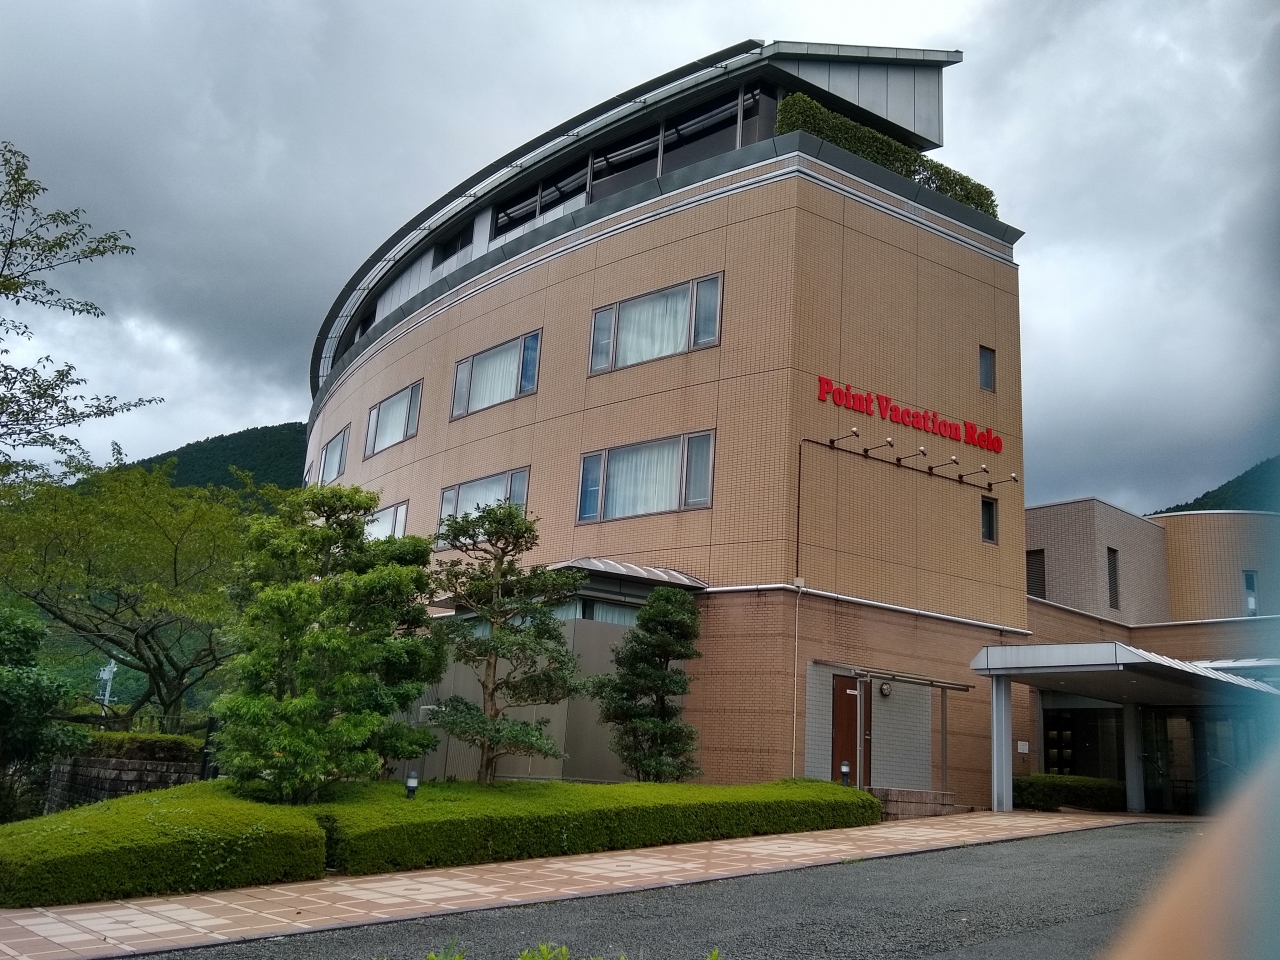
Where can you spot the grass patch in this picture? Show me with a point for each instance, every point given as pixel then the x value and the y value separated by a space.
pixel 202 836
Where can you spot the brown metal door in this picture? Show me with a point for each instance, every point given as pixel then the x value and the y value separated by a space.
pixel 846 700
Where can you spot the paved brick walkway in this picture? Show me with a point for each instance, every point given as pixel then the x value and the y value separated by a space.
pixel 122 927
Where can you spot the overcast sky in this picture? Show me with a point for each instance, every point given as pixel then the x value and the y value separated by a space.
pixel 258 152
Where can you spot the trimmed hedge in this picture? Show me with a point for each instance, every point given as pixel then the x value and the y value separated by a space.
pixel 194 837
pixel 1049 791
pixel 799 112
pixel 158 747
pixel 373 828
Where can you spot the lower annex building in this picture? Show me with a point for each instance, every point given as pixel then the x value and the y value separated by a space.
pixel 755 366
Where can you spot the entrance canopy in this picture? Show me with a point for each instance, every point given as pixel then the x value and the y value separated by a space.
pixel 1120 674
pixel 1111 672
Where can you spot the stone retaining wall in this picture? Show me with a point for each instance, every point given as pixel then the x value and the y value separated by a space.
pixel 80 780
pixel 910 804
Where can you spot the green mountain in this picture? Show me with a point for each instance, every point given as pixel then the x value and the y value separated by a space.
pixel 271 454
pixel 1258 488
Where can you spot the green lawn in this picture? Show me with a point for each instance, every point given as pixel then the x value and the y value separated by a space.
pixel 204 837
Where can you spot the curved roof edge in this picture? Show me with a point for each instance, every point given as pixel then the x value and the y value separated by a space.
pixel 796 59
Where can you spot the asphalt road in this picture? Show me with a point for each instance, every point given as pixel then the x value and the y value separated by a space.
pixel 1063 896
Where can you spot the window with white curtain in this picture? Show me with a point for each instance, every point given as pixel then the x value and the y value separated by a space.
pixel 469 497
pixel 655 477
pixel 333 458
pixel 675 320
pixel 393 420
pixel 387 522
pixel 505 372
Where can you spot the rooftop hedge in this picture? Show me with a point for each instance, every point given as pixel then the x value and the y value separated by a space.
pixel 202 836
pixel 798 112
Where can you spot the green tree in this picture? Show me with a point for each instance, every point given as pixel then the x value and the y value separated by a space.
pixel 40 402
pixel 333 642
pixel 29 739
pixel 132 566
pixel 640 699
pixel 506 632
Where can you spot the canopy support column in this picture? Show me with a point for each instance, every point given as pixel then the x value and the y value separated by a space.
pixel 1001 744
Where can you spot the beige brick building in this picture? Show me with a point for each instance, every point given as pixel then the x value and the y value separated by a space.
pixel 659 328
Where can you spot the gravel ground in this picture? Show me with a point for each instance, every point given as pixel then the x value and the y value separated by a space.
pixel 1063 896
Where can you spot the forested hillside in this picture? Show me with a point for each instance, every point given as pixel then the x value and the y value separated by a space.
pixel 1258 488
pixel 272 454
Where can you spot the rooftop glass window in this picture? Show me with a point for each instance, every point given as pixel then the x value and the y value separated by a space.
pixel 454 245
pixel 515 211
pixel 624 163
pixel 759 113
pixel 563 185
pixel 707 130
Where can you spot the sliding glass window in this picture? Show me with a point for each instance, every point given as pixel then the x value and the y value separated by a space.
pixel 512 486
pixel 503 373
pixel 333 458
pixel 675 320
pixel 656 477
pixel 387 522
pixel 393 420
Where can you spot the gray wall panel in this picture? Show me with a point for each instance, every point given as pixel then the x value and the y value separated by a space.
pixel 929 103
pixel 902 737
pixel 844 81
pixel 902 96
pixel 873 88
pixel 817 72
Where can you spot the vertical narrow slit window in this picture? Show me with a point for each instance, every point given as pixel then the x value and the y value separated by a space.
pixel 1113 578
pixel 660 324
pixel 987 368
pixel 502 373
pixel 1036 585
pixel 393 420
pixel 989 530
pixel 1250 593
pixel 658 476
pixel 387 522
pixel 333 458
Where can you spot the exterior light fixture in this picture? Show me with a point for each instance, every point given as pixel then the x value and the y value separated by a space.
pixel 888 442
pixel 981 469
pixel 919 453
pixel 853 432
pixel 844 773
pixel 945 463
pixel 1013 478
pixel 886 688
pixel 411 785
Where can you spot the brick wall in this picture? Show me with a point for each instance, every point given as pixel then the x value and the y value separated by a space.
pixel 80 780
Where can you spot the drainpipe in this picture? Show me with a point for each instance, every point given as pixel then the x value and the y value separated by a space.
pixel 795 677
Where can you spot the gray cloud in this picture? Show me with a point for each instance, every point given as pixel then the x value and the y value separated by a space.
pixel 258 152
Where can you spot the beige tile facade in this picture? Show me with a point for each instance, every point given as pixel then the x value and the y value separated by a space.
pixel 1208 552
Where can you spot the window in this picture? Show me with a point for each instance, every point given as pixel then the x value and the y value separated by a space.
pixel 454 245
pixel 306 475
pixel 586 608
pixel 987 368
pixel 654 477
pixel 1036 586
pixel 558 188
pixel 989 520
pixel 625 163
pixel 675 320
pixel 759 113
pixel 503 373
pixel 333 458
pixel 707 130
pixel 1250 593
pixel 1113 578
pixel 515 211
pixel 387 522
pixel 469 497
pixel 393 420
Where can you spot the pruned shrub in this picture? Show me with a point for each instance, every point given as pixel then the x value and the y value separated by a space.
pixel 1049 791
pixel 798 112
pixel 194 837
pixel 158 747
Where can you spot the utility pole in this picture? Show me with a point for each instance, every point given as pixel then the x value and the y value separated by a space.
pixel 106 675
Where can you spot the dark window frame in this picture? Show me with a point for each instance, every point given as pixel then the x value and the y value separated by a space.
pixel 1113 578
pixel 371 425
pixel 1250 578
pixel 990 505
pixel 403 518
pixel 519 395
pixel 324 456
pixel 689 347
pixel 985 382
pixel 1036 558
pixel 682 481
pixel 454 244
pixel 456 490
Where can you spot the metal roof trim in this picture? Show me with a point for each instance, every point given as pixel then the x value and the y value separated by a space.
pixel 632 571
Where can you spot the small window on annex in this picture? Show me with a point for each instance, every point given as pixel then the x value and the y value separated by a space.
pixel 1113 578
pixel 987 368
pixel 675 320
pixel 393 420
pixel 387 522
pixel 1036 585
pixel 1250 593
pixel 502 373
pixel 512 486
pixel 656 477
pixel 333 458
pixel 989 529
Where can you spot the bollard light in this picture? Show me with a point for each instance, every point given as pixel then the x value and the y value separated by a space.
pixel 844 773
pixel 411 785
